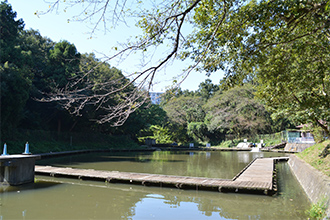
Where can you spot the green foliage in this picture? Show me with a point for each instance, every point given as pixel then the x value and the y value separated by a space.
pixel 325 152
pixel 143 118
pixel 179 133
pixel 161 134
pixel 270 139
pixel 280 46
pixel 64 61
pixel 228 144
pixel 100 72
pixel 197 130
pixel 318 133
pixel 207 89
pixel 31 63
pixel 318 210
pixel 304 85
pixel 184 109
pixel 236 112
pixel 14 94
pixel 35 50
pixel 9 32
pixel 194 111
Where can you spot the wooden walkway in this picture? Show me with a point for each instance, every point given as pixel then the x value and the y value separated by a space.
pixel 256 177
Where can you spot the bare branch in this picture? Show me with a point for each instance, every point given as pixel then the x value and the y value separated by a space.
pixel 75 98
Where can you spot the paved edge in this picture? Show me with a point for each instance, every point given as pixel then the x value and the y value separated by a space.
pixel 315 184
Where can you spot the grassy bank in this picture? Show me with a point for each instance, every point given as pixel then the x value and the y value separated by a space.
pixel 318 156
pixel 44 141
pixel 313 156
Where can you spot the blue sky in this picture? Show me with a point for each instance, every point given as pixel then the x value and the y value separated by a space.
pixel 55 26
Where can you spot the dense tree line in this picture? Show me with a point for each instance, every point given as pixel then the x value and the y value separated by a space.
pixel 31 66
pixel 282 46
pixel 211 113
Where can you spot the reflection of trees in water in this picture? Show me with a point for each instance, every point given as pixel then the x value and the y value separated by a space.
pixel 290 203
pixel 123 201
pixel 217 165
pixel 159 160
pixel 223 165
pixel 238 206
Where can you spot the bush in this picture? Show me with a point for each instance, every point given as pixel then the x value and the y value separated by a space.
pixel 161 134
pixel 229 143
pixel 318 210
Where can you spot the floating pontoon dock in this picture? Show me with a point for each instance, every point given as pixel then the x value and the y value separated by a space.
pixel 256 177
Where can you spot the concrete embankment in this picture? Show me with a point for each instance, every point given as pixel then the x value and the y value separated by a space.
pixel 297 147
pixel 315 183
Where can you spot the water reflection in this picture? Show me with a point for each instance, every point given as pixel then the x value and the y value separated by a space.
pixel 243 157
pixel 223 165
pixel 60 198
pixel 5 188
pixel 74 199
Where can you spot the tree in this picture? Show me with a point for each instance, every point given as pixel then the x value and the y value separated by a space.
pixel 302 90
pixel 238 37
pixel 64 60
pixel 283 46
pixel 158 30
pixel 207 89
pixel 9 33
pixel 161 134
pixel 186 116
pixel 183 110
pixel 93 83
pixel 35 52
pixel 14 85
pixel 198 131
pixel 237 112
pixel 14 94
pixel 36 49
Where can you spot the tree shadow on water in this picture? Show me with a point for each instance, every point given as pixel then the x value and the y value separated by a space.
pixel 6 188
pixel 95 158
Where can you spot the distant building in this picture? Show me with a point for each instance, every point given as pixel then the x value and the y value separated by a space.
pixel 298 137
pixel 155 97
pixel 297 140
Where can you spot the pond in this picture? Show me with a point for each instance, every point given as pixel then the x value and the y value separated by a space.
pixel 61 198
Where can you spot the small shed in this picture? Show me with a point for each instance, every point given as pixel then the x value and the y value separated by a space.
pixel 298 136
pixel 297 140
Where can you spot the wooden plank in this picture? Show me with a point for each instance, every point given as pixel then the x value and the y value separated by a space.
pixel 258 175
pixel 261 170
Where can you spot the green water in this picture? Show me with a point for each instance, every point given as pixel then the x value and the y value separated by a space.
pixel 60 198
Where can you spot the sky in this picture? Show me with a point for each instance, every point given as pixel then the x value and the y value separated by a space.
pixel 55 26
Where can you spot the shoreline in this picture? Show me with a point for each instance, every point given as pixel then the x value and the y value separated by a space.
pixel 315 184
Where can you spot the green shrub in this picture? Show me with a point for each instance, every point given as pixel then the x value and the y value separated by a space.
pixel 318 210
pixel 161 134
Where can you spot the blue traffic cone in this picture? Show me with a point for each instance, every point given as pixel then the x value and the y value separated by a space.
pixel 27 149
pixel 4 150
